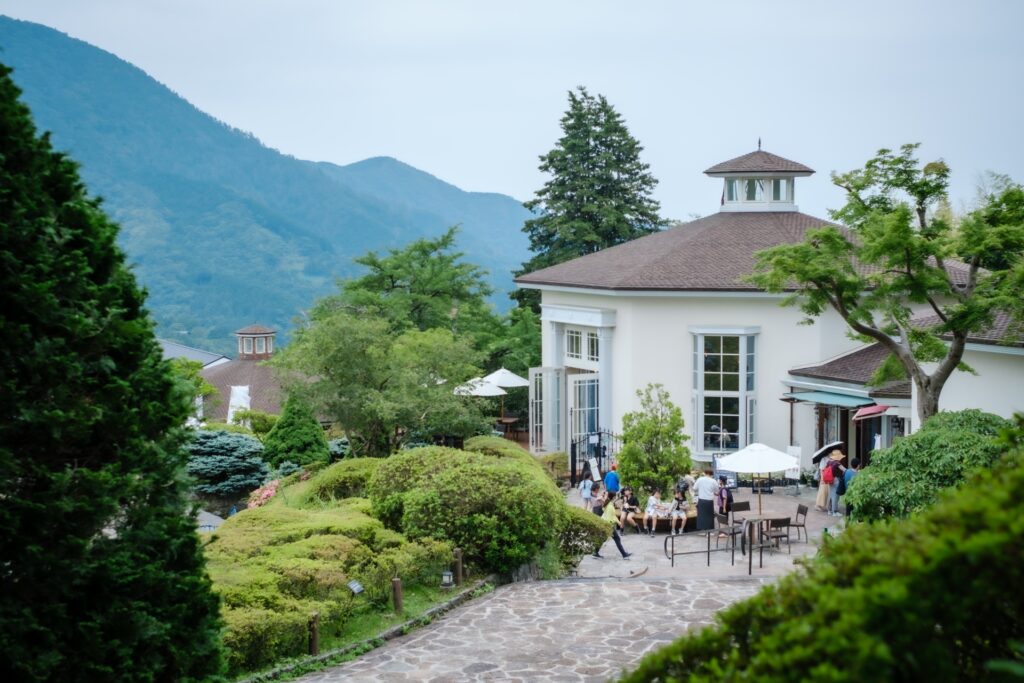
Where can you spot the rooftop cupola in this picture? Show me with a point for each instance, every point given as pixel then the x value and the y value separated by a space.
pixel 759 181
pixel 255 342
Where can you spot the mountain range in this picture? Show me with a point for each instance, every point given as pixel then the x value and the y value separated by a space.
pixel 222 230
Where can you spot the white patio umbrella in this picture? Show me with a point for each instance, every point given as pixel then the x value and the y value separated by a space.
pixel 757 458
pixel 508 379
pixel 478 386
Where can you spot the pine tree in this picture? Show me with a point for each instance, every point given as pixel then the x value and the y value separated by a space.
pixel 297 436
pixel 599 191
pixel 102 574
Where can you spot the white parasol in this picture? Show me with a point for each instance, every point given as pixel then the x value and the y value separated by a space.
pixel 508 379
pixel 479 386
pixel 758 458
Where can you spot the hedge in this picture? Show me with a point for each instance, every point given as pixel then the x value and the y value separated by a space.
pixel 931 598
pixel 909 475
pixel 344 479
pixel 583 532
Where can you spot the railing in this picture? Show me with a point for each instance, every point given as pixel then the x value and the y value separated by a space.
pixel 602 446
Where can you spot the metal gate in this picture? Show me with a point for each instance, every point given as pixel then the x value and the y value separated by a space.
pixel 602 446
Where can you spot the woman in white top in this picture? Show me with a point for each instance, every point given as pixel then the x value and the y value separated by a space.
pixel 706 489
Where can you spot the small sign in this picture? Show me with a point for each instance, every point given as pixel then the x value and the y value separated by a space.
pixel 355 587
pixel 595 471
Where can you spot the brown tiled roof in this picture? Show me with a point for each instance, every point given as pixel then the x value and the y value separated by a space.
pixel 856 367
pixel 264 390
pixel 759 162
pixel 713 253
pixel 255 329
pixel 897 388
pixel 1002 328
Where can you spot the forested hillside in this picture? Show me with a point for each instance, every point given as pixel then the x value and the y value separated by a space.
pixel 222 230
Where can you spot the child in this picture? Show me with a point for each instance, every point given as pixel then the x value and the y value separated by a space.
pixel 586 486
pixel 680 508
pixel 652 512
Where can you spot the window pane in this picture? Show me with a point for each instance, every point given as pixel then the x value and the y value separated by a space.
pixel 731 405
pixel 730 382
pixel 730 190
pixel 731 363
pixel 712 404
pixel 731 344
pixel 712 363
pixel 731 423
pixel 750 381
pixel 592 347
pixel 712 344
pixel 713 382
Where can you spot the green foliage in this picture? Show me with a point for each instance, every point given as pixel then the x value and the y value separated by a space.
pixel 653 454
pixel 379 386
pixel 226 427
pixel 929 598
pixel 499 510
pixel 296 437
pixel 102 573
pixel 498 447
pixel 259 422
pixel 224 464
pixel 187 372
pixel 339 448
pixel 556 465
pixel 345 479
pixel 909 475
pixel 898 254
pixel 599 192
pixel 583 532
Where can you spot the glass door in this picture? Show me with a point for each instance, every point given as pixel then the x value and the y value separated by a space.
pixel 545 409
pixel 583 405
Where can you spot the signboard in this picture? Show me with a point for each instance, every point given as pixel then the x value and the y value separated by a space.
pixel 595 471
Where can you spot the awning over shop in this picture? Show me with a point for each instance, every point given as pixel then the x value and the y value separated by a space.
pixel 829 399
pixel 868 412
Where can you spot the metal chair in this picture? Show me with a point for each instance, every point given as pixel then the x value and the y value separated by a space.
pixel 742 506
pixel 778 529
pixel 801 522
pixel 731 531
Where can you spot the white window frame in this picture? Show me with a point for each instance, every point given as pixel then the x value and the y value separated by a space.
pixel 247 345
pixel 574 344
pixel 746 398
pixel 261 344
pixel 593 347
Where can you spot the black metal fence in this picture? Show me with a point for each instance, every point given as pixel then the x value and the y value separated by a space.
pixel 603 446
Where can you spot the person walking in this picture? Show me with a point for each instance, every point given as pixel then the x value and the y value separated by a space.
pixel 586 487
pixel 821 501
pixel 600 500
pixel 837 471
pixel 706 489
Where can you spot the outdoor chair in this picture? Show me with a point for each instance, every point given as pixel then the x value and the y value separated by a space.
pixel 743 506
pixel 801 522
pixel 777 530
pixel 731 531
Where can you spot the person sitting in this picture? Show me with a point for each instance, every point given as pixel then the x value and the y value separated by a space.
pixel 680 508
pixel 654 511
pixel 629 510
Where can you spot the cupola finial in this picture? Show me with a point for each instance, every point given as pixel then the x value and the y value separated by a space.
pixel 759 144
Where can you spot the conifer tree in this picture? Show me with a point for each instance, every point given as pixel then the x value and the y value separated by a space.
pixel 599 193
pixel 297 436
pixel 102 574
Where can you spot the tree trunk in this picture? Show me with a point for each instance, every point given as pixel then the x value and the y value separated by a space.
pixel 927 402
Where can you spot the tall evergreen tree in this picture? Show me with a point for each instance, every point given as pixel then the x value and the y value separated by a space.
pixel 297 436
pixel 102 574
pixel 599 193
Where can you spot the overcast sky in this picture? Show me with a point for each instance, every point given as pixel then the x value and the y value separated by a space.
pixel 472 91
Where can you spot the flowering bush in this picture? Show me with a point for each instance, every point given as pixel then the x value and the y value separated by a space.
pixel 264 493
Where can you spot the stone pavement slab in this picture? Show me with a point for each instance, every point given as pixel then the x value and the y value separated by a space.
pixel 569 630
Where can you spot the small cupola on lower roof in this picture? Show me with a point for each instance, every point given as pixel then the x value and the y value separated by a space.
pixel 759 181
pixel 255 342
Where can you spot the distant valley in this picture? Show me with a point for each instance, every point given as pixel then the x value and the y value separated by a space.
pixel 222 230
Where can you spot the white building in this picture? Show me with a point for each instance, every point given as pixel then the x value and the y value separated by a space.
pixel 674 308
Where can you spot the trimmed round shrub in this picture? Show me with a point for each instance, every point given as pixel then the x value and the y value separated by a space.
pixel 498 447
pixel 909 475
pixel 256 638
pixel 345 479
pixel 582 533
pixel 556 466
pixel 928 598
pixel 500 512
pixel 297 436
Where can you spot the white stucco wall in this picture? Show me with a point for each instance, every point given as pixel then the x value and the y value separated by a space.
pixel 998 387
pixel 653 343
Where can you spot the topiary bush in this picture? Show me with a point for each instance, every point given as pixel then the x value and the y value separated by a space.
pixel 582 533
pixel 909 475
pixel 297 436
pixel 345 479
pixel 928 598
pixel 498 447
pixel 556 466
pixel 225 464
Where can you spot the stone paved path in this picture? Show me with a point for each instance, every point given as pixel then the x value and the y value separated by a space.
pixel 584 629
pixel 571 630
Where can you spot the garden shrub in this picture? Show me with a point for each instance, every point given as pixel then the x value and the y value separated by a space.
pixel 556 466
pixel 297 436
pixel 582 533
pixel 225 464
pixel 498 447
pixel 339 448
pixel 344 479
pixel 653 453
pixel 500 512
pixel 256 638
pixel 930 598
pixel 909 475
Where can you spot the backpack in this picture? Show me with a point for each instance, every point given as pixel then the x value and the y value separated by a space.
pixel 841 485
pixel 829 475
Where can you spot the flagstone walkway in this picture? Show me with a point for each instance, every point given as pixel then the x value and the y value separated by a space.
pixel 589 628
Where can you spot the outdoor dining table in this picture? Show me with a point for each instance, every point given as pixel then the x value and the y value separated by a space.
pixel 755 523
pixel 506 424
